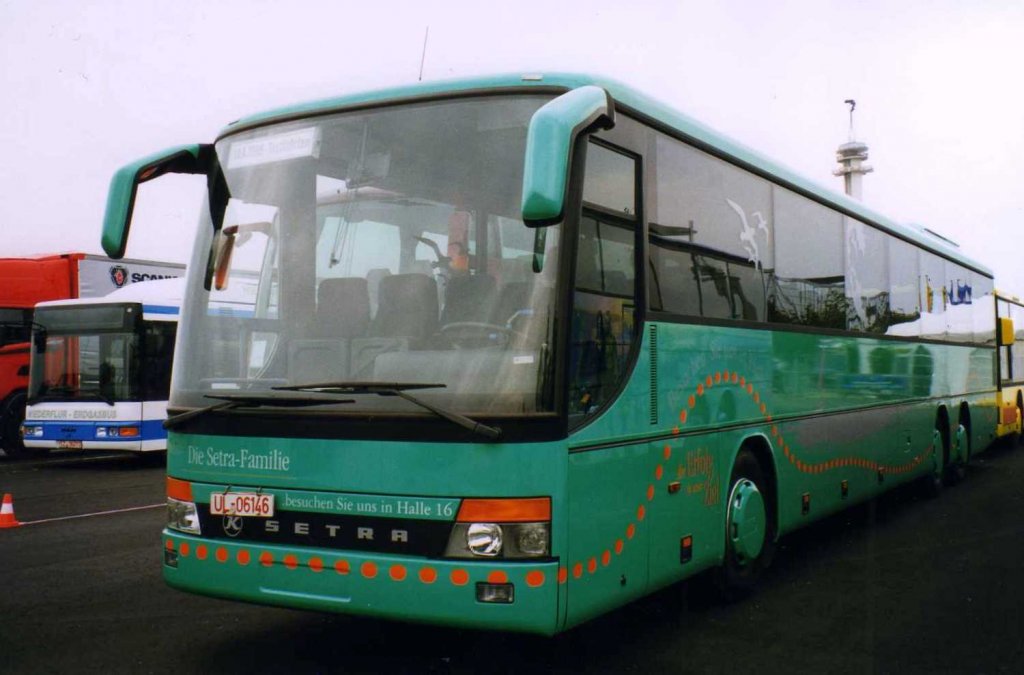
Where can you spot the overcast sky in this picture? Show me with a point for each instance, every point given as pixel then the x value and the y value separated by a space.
pixel 939 84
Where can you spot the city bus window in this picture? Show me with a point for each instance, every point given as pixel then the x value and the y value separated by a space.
pixel 934 296
pixel 611 181
pixel 867 282
pixel 710 234
pixel 904 301
pixel 604 307
pixel 983 303
pixel 809 271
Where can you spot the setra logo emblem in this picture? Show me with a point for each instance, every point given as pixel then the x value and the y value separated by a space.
pixel 232 525
pixel 119 275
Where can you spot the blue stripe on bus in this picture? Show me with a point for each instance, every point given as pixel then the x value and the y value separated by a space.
pixel 159 309
pixel 150 430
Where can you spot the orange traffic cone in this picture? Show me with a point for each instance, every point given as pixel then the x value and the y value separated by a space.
pixel 7 518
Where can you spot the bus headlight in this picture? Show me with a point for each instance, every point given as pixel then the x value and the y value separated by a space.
pixel 117 432
pixel 182 516
pixel 501 528
pixel 484 539
pixel 31 431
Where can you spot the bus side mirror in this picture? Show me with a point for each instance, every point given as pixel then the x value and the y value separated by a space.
pixel 550 140
pixel 125 183
pixel 1005 331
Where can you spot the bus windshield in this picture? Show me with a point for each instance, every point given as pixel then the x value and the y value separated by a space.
pixel 376 247
pixel 91 352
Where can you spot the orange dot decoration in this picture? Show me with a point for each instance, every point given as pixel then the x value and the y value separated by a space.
pixel 170 545
pixel 221 554
pixel 368 569
pixel 592 565
pixel 618 546
pixel 341 567
pixel 459 577
pixel 650 492
pixel 397 573
pixel 201 552
pixel 577 570
pixel 266 559
pixel 563 575
pixel 291 561
pixel 668 452
pixel 682 417
pixel 428 575
pixel 243 557
pixel 659 471
pixel 535 578
pixel 184 549
pixel 640 512
pixel 497 577
pixel 316 564
pixel 606 558
pixel 630 531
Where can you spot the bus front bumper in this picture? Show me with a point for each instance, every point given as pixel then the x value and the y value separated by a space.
pixel 391 587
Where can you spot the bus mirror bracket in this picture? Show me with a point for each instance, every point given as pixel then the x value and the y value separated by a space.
pixel 550 139
pixel 189 159
pixel 1006 335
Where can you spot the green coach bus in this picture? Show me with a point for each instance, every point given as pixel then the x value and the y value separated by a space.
pixel 511 352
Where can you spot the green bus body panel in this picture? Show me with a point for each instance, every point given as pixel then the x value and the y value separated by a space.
pixel 121 198
pixel 812 400
pixel 549 142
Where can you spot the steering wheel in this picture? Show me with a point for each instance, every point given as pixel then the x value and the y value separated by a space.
pixel 476 334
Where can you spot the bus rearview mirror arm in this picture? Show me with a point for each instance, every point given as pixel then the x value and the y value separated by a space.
pixel 550 139
pixel 189 159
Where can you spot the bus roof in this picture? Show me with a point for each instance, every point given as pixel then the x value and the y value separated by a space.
pixel 156 293
pixel 631 101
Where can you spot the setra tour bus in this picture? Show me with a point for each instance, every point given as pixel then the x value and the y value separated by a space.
pixel 101 370
pixel 520 350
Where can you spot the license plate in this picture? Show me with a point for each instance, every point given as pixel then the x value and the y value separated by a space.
pixel 242 504
pixel 70 445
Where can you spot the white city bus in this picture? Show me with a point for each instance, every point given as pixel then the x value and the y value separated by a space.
pixel 101 370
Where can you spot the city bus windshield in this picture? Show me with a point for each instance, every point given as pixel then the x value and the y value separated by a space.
pixel 375 247
pixel 86 352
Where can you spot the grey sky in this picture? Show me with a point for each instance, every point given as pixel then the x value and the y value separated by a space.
pixel 89 86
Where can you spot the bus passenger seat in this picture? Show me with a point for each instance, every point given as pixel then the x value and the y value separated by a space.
pixel 342 308
pixel 407 307
pixel 468 298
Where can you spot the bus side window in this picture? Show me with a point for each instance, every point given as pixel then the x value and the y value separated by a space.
pixel 603 313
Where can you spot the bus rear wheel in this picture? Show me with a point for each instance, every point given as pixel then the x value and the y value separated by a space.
pixel 749 527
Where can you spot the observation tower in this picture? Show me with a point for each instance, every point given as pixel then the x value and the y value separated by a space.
pixel 851 157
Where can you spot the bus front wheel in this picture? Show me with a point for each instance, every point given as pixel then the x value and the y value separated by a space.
pixel 749 527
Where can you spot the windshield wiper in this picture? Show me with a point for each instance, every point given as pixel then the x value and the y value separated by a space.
pixel 398 389
pixel 228 401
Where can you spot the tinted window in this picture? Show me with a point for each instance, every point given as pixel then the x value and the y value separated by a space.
pixel 867 278
pixel 809 270
pixel 711 236
pixel 611 181
pixel 904 298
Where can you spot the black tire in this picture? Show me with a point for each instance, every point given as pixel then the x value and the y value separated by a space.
pixel 740 573
pixel 11 417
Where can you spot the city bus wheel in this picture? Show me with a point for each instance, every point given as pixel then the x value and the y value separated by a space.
pixel 11 418
pixel 956 470
pixel 749 527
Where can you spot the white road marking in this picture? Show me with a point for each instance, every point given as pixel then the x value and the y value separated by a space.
pixel 98 513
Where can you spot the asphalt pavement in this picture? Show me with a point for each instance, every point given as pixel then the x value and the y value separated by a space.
pixel 902 584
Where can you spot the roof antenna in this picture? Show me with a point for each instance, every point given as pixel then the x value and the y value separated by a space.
pixel 423 59
pixel 853 106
